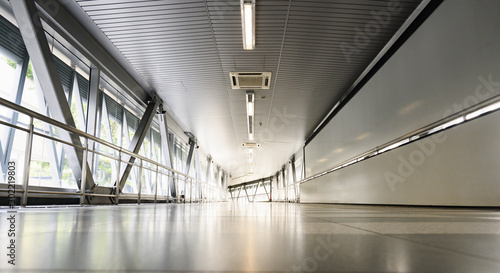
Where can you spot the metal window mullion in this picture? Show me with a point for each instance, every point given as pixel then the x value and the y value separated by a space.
pixel 127 139
pixel 80 112
pixel 107 126
pixel 71 87
pixel 18 93
pixel 166 146
pixel 118 165
pixel 157 157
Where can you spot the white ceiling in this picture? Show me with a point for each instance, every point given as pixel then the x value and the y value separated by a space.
pixel 185 50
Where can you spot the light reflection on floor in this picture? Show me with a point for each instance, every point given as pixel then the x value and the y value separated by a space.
pixel 226 237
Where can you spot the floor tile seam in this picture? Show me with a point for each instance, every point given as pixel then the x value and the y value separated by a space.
pixel 413 241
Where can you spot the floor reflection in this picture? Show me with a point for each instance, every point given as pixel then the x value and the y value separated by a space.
pixel 255 237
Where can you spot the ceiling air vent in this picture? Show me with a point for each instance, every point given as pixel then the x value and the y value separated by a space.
pixel 250 80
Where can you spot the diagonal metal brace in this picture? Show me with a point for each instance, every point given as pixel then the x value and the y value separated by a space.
pixel 137 140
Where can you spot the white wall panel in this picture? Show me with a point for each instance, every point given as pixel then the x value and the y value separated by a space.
pixel 457 167
pixel 449 63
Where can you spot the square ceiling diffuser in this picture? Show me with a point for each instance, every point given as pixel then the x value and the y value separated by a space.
pixel 250 80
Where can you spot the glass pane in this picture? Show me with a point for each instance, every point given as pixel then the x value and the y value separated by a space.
pixel 41 170
pixel 105 175
pixel 17 154
pixel 8 80
pixel 131 185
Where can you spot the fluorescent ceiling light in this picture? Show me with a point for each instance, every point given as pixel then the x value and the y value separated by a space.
pixel 248 23
pixel 250 97
pixel 250 108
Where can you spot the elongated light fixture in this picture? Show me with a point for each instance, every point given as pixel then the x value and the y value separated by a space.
pixel 248 23
pixel 250 114
pixel 250 155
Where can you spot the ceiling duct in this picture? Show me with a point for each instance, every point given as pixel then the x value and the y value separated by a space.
pixel 250 80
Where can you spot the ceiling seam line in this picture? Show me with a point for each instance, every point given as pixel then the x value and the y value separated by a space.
pixel 279 62
pixel 220 67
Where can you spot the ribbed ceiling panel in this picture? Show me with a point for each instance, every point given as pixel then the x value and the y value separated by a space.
pixel 186 48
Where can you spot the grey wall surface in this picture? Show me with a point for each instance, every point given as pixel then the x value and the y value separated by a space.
pixel 451 62
pixel 459 166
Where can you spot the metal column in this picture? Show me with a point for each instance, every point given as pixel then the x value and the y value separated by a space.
pixel 92 108
pixel 207 174
pixel 192 145
pixel 284 183
pixel 294 176
pixel 27 161
pixel 166 146
pixel 217 176
pixel 197 170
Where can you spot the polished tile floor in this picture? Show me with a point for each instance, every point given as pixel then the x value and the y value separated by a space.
pixel 260 237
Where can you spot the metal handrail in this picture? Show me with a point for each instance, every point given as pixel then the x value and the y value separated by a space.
pixel 31 113
pixel 416 134
pixel 159 169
